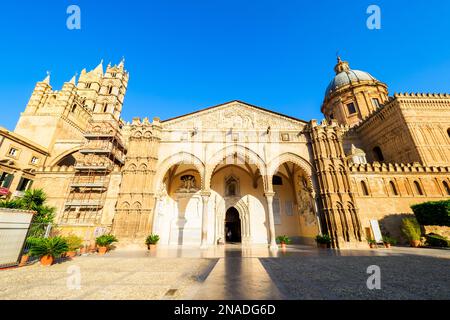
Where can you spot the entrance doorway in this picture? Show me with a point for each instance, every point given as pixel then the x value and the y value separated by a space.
pixel 232 226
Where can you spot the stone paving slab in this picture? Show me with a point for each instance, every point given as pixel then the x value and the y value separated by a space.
pixel 402 277
pixel 230 272
pixel 238 279
pixel 110 277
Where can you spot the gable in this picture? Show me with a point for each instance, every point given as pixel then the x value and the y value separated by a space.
pixel 235 114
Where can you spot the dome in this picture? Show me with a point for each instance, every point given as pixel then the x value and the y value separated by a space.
pixel 345 76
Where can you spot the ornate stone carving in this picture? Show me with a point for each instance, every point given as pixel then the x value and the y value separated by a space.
pixel 234 115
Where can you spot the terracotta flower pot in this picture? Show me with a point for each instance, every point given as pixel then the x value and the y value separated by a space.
pixel 102 250
pixel 151 247
pixel 415 243
pixel 82 250
pixel 24 260
pixel 322 245
pixel 47 260
pixel 387 245
pixel 92 248
pixel 71 254
pixel 283 245
pixel 372 245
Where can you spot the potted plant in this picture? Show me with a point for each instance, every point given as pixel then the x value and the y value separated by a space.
pixel 323 241
pixel 283 241
pixel 26 252
pixel 411 230
pixel 74 243
pixel 372 243
pixel 104 242
pixel 388 241
pixel 151 241
pixel 47 249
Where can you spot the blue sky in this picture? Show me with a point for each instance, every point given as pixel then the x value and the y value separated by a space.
pixel 185 55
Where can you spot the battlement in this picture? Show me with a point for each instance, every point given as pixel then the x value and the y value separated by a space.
pixel 421 95
pixel 397 168
pixel 73 169
pixel 328 124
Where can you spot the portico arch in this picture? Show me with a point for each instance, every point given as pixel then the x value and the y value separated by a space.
pixel 303 164
pixel 247 154
pixel 178 158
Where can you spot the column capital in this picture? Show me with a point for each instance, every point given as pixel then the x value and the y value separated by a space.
pixel 205 194
pixel 269 194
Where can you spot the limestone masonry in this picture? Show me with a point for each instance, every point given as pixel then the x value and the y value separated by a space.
pixel 233 172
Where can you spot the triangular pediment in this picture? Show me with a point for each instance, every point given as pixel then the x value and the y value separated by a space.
pixel 234 114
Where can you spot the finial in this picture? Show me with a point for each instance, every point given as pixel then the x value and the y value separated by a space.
pixel 341 66
pixel 47 78
pixel 73 80
pixel 122 62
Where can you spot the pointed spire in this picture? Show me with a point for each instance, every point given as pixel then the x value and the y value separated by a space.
pixel 73 80
pixel 99 68
pixel 47 78
pixel 122 63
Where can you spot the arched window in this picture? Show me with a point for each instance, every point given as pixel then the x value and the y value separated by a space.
pixel 231 187
pixel 365 191
pixel 110 88
pixel 105 107
pixel 418 188
pixel 448 132
pixel 378 154
pixel 446 187
pixel 393 188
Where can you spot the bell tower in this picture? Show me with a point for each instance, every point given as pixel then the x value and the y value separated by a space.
pixel 112 91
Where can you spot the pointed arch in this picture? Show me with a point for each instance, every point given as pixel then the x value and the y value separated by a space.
pixel 65 154
pixel 178 158
pixel 249 155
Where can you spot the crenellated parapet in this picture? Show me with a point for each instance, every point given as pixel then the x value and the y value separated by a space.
pixel 397 168
pixel 56 169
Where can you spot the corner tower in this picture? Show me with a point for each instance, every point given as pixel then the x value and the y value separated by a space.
pixel 352 95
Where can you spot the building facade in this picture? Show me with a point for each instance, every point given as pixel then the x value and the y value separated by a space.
pixel 237 172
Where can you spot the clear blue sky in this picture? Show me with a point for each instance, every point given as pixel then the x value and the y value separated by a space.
pixel 184 55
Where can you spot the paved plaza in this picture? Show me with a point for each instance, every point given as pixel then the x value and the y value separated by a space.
pixel 230 272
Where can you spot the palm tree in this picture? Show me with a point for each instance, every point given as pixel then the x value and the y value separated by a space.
pixel 34 199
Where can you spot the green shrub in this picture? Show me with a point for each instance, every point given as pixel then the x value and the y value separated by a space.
pixel 106 240
pixel 54 247
pixel 411 229
pixel 435 240
pixel 323 239
pixel 283 239
pixel 152 239
pixel 433 213
pixel 389 240
pixel 74 242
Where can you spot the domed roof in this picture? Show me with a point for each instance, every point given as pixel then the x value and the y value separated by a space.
pixel 345 76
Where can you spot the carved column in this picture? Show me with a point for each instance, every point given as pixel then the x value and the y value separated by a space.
pixel 205 199
pixel 273 243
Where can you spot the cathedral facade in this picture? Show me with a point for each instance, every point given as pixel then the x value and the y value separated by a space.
pixel 236 172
